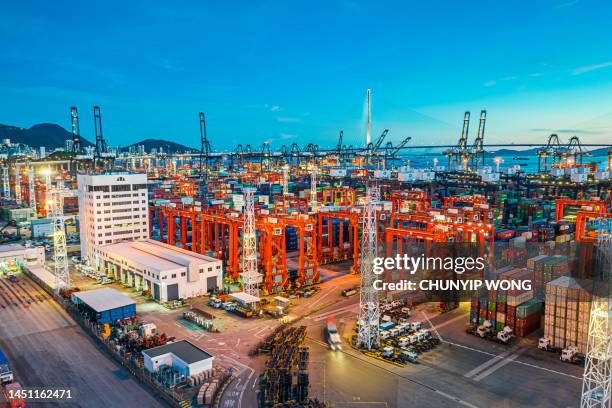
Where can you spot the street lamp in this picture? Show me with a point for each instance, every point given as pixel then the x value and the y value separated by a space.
pixel 498 161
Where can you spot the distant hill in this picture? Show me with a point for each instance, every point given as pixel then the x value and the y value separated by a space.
pixel 167 146
pixel 43 134
pixel 534 151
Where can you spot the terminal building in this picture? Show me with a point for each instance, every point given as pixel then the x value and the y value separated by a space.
pixel 113 207
pixel 183 356
pixel 168 272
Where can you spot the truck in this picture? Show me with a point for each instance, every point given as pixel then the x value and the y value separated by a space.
pixel 349 292
pixel 486 331
pixel 409 354
pixel 570 355
pixel 6 374
pixel 545 343
pixel 331 334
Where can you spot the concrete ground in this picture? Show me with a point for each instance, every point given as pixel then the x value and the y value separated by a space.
pixel 47 349
pixel 464 371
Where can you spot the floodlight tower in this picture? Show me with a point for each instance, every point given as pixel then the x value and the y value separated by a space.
pixel 17 186
pixel 6 186
pixel 285 180
pixel 368 336
pixel 32 191
pixel 597 380
pixel 314 204
pixel 60 255
pixel 250 277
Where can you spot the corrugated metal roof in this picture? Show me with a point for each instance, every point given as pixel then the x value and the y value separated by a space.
pixel 183 349
pixel 104 299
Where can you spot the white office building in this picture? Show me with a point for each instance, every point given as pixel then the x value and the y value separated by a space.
pixel 113 207
pixel 165 271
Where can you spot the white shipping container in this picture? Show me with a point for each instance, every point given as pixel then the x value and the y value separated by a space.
pixel 578 177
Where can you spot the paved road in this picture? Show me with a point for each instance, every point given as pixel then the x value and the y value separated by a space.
pixel 47 349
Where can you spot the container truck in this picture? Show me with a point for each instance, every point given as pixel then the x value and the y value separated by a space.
pixel 331 334
pixel 12 392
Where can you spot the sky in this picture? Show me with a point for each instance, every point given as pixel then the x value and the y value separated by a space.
pixel 289 71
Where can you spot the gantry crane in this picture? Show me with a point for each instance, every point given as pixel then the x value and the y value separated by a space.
pixel 458 156
pixel 391 152
pixel 76 130
pixel 101 147
pixel 477 153
pixel 204 148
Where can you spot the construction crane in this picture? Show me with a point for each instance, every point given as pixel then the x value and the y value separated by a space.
pixel 204 148
pixel 76 131
pixel 101 146
pixel 368 336
pixel 250 277
pixel 478 154
pixel 597 379
pixel 459 155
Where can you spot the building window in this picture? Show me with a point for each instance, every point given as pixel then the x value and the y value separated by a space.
pixel 173 275
pixel 183 274
pixel 121 187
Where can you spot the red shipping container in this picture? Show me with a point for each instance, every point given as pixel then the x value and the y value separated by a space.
pixel 510 321
pixel 528 325
pixel 510 312
pixel 483 313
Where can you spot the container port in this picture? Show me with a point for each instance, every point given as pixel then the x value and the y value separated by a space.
pixel 207 206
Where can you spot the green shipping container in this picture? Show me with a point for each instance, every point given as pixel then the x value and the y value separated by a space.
pixel 528 308
pixel 492 306
pixel 499 326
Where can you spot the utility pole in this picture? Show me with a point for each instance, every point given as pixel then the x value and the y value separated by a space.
pixel 597 380
pixel 250 277
pixel 368 336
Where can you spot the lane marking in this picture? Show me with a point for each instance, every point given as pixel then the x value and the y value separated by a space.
pixel 458 400
pixel 447 322
pixel 487 364
pixel 497 366
pixel 329 291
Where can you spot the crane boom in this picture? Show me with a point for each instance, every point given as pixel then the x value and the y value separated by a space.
pixel 380 140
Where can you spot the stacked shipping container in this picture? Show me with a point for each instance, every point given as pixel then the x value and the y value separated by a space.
pixel 567 313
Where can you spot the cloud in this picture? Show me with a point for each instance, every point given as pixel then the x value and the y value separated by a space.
pixel 286 136
pixel 575 131
pixel 588 68
pixel 494 82
pixel 288 119
pixel 566 4
pixel 536 74
pixel 169 64
pixel 275 108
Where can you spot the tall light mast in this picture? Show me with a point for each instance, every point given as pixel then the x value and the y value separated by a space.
pixel 285 180
pixel 60 255
pixel 17 186
pixel 314 204
pixel 597 380
pixel 250 277
pixel 368 336
pixel 6 186
pixel 369 124
pixel 32 191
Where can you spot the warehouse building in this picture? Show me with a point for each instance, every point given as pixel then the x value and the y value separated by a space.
pixel 104 305
pixel 168 272
pixel 183 356
pixel 113 207
pixel 17 254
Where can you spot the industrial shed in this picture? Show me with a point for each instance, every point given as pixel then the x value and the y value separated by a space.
pixel 104 305
pixel 182 356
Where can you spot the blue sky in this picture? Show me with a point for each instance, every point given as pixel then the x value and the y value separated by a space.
pixel 287 71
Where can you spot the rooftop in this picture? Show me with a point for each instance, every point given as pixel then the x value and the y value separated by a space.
pixel 155 255
pixel 104 299
pixel 11 248
pixel 183 349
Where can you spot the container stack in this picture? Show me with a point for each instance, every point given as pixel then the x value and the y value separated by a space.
pixel 291 239
pixel 567 313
